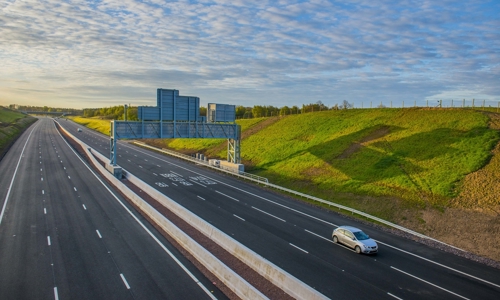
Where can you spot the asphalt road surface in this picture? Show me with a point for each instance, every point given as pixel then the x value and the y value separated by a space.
pixel 65 235
pixel 297 237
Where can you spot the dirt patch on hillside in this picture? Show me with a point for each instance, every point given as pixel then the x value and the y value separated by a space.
pixel 473 221
pixel 356 146
pixel 259 126
pixel 470 230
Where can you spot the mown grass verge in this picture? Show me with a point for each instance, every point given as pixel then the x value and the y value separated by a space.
pixel 12 124
pixel 397 158
pixel 102 126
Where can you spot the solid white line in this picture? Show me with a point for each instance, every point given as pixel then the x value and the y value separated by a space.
pixel 239 217
pixel 201 197
pixel 14 176
pixel 312 217
pixel 144 226
pixel 241 190
pixel 48 240
pixel 268 214
pixel 319 235
pixel 56 295
pixel 394 296
pixel 44 211
pixel 298 248
pixel 228 196
pixel 441 265
pixel 429 283
pixel 331 241
pixel 84 207
pixel 125 281
pixel 98 233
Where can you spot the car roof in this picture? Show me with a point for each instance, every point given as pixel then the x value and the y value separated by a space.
pixel 350 228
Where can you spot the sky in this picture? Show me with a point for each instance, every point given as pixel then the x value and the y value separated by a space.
pixel 91 54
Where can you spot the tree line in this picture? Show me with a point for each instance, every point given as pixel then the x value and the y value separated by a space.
pixel 43 109
pixel 242 112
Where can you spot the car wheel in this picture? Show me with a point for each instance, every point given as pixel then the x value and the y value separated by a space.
pixel 335 239
pixel 357 249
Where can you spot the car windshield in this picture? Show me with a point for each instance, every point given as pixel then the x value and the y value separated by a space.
pixel 360 235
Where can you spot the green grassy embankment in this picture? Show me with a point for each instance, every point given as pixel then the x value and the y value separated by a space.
pixel 435 171
pixel 12 124
pixel 412 158
pixel 102 126
pixel 405 158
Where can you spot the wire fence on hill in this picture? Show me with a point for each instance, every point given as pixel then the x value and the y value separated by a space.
pixel 452 103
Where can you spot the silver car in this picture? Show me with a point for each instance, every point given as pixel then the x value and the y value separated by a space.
pixel 354 238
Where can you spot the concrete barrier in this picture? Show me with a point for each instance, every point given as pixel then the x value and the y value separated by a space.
pixel 279 277
pixel 232 280
pixel 282 279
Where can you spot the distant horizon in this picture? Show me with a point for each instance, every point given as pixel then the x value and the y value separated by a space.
pixel 292 52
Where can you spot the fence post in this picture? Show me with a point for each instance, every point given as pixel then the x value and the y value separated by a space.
pixel 472 102
pixel 483 103
pixel 452 103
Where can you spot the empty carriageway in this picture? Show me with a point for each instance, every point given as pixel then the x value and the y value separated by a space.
pixel 64 234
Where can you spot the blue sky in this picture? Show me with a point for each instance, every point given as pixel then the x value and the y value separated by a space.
pixel 78 54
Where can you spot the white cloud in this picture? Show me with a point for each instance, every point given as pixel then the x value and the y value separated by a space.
pixel 267 52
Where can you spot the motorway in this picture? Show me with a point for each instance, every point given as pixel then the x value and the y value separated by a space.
pixel 64 234
pixel 297 237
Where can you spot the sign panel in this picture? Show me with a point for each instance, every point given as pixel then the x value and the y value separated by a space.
pixel 221 113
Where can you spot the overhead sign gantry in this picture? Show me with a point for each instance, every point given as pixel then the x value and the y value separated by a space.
pixel 178 116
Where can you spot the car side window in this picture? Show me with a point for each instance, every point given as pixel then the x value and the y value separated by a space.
pixel 341 231
pixel 349 234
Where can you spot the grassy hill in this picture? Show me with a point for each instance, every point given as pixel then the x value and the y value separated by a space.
pixel 418 155
pixel 432 170
pixel 12 124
